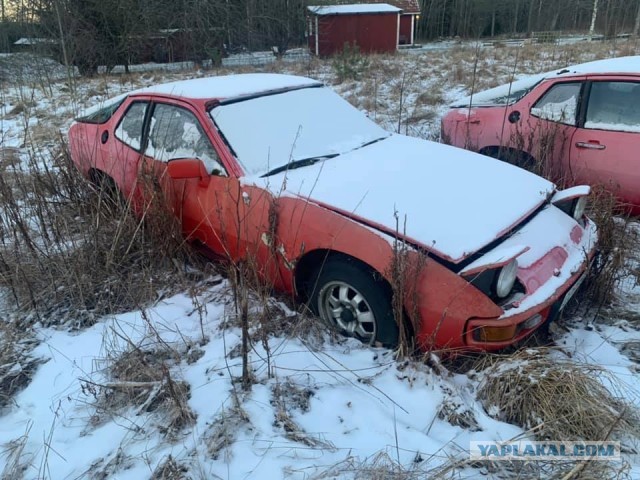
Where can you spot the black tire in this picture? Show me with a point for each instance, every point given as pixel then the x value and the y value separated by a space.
pixel 514 157
pixel 108 190
pixel 371 319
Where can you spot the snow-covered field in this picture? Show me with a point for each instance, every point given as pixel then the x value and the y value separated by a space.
pixel 319 406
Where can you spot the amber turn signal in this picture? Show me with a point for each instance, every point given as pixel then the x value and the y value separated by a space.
pixel 495 334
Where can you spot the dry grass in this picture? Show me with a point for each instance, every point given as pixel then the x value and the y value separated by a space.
pixel 526 470
pixel 169 469
pixel 17 365
pixel 223 430
pixel 142 379
pixel 454 411
pixel 556 399
pixel 617 243
pixel 70 253
pixel 379 467
pixel 286 398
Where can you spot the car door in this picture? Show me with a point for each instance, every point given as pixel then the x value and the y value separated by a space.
pixel 216 212
pixel 605 148
pixel 550 127
pixel 125 150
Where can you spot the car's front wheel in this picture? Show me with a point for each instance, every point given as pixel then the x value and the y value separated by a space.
pixel 350 298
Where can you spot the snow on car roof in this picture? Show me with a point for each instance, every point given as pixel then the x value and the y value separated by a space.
pixel 609 65
pixel 353 9
pixel 229 86
pixel 512 92
pixel 223 87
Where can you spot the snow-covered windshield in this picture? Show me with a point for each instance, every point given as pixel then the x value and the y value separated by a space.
pixel 502 95
pixel 271 131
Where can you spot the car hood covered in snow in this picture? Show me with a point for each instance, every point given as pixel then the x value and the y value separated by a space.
pixel 455 202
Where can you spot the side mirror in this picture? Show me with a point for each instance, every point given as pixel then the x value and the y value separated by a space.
pixel 183 168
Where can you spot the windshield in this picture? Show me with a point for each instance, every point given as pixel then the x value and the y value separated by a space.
pixel 271 131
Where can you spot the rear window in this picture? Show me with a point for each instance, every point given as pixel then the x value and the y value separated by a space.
pixel 502 95
pixel 101 115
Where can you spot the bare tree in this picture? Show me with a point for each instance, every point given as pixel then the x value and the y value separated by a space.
pixel 594 16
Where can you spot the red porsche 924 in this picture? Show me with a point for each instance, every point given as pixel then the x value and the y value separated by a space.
pixel 282 169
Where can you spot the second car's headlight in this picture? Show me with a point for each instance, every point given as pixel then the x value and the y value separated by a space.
pixel 506 279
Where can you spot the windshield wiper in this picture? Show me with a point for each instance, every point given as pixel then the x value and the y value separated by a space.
pixel 303 162
pixel 372 142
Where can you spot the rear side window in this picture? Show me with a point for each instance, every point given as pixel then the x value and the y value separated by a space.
pixel 614 106
pixel 102 115
pixel 503 95
pixel 129 130
pixel 559 104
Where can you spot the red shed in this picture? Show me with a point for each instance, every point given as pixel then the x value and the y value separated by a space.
pixel 373 27
pixel 408 17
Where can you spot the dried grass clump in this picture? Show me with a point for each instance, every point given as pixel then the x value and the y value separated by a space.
pixel 379 467
pixel 142 379
pixel 455 412
pixel 223 431
pixel 556 399
pixel 288 397
pixel 618 241
pixel 17 366
pixel 433 97
pixel 70 252
pixel 169 469
pixel 16 460
pixel 531 470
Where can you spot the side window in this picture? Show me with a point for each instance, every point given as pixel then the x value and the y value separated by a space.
pixel 177 133
pixel 614 106
pixel 129 130
pixel 559 104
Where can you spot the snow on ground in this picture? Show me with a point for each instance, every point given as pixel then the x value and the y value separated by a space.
pixel 355 403
pixel 320 407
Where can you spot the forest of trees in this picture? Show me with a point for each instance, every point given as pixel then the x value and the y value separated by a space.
pixel 482 18
pixel 108 32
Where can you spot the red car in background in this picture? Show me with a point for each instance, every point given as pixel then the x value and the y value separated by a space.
pixel 579 124
pixel 330 207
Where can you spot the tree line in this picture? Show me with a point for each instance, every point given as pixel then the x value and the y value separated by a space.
pixel 488 18
pixel 88 33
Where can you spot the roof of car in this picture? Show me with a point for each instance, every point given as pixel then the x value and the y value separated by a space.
pixel 609 65
pixel 228 87
pixel 511 92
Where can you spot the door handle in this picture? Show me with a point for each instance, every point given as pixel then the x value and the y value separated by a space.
pixel 590 145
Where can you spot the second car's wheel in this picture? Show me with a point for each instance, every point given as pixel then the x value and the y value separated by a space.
pixel 349 297
pixel 512 156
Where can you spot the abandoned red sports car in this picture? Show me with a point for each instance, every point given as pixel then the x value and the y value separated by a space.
pixel 581 124
pixel 281 170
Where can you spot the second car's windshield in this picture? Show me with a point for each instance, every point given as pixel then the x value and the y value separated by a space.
pixel 270 131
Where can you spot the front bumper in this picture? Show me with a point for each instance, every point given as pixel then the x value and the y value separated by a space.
pixel 524 323
pixel 555 284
